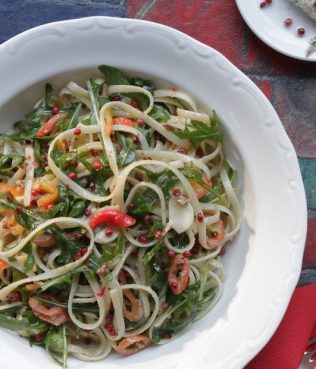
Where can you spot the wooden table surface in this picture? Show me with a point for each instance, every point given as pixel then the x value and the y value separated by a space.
pixel 289 84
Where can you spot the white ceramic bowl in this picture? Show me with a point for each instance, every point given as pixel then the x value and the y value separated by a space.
pixel 263 263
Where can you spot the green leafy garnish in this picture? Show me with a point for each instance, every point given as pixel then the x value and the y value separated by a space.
pixel 56 345
pixel 93 91
pixel 199 133
pixel 144 202
pixel 48 95
pixel 75 117
pixel 29 264
pixel 127 154
pixel 151 253
pixel 9 162
pixel 159 113
pixel 113 76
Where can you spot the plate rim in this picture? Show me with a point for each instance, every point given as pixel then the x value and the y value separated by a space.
pixel 242 7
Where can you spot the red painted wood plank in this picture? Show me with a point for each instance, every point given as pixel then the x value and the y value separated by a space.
pixel 215 23
pixel 310 248
pixel 260 57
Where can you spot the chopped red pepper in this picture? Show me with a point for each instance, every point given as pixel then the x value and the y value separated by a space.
pixel 114 217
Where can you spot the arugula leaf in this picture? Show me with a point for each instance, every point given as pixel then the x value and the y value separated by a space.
pixel 166 181
pixel 151 253
pixel 9 162
pixel 183 309
pixel 141 99
pixel 144 201
pixel 215 120
pixel 78 308
pixel 25 129
pixel 69 204
pixel 200 133
pixel 145 83
pixel 127 155
pixel 96 262
pixel 102 100
pixel 77 208
pixel 56 343
pixel 17 275
pixel 134 325
pixel 29 264
pixel 37 151
pixel 113 76
pixel 13 324
pixel 48 95
pixel 61 280
pixel 29 219
pixel 25 321
pixel 75 117
pixel 35 324
pixel 118 249
pixel 195 175
pixel 68 247
pixel 52 212
pixel 38 113
pixel 94 96
pixel 159 113
pixel 179 241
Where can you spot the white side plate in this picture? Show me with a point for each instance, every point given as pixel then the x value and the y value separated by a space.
pixel 268 25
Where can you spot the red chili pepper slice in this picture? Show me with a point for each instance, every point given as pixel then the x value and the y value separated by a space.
pixel 115 217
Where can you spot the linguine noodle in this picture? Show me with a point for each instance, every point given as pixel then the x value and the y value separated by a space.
pixel 116 205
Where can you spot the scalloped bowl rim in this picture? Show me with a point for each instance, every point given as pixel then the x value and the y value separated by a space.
pixel 261 274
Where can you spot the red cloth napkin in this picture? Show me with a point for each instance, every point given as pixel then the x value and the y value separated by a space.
pixel 286 348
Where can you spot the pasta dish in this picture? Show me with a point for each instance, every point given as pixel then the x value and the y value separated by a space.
pixel 116 204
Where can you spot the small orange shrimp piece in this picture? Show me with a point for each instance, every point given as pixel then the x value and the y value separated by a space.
pixel 131 345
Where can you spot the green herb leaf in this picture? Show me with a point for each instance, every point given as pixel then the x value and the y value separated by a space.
pixel 75 117
pixel 9 162
pixel 24 321
pixel 145 83
pixel 113 76
pixel 13 324
pixel 144 202
pixel 77 209
pixel 61 280
pixel 195 175
pixel 166 181
pixel 127 155
pixel 29 264
pixel 200 133
pixel 48 95
pixel 159 113
pixel 94 96
pixel 78 308
pixel 55 345
pixel 96 262
pixel 151 253
pixel 68 247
